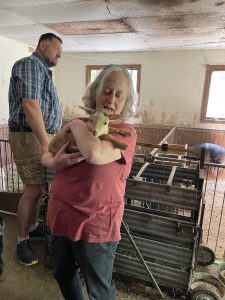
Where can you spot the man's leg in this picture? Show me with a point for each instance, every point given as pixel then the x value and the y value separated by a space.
pixel 26 213
pixel 27 209
pixel 37 230
pixel 27 153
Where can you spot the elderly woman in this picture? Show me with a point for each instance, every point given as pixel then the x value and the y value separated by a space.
pixel 86 202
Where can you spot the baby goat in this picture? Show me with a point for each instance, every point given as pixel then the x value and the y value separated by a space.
pixel 98 124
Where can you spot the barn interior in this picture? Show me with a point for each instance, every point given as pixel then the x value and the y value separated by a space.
pixel 172 48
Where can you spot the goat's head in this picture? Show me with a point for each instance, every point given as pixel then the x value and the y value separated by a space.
pixel 98 122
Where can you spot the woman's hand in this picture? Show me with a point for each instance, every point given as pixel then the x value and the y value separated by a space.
pixel 64 160
pixel 61 160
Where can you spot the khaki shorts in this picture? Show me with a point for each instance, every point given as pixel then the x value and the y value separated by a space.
pixel 27 154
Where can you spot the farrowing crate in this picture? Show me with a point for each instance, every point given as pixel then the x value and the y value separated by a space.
pixel 163 212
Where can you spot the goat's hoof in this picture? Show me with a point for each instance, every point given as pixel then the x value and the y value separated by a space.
pixel 124 132
pixel 123 147
pixel 129 134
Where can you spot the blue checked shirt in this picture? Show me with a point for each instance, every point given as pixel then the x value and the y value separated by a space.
pixel 32 79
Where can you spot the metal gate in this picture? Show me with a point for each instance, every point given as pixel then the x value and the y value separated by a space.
pixel 164 214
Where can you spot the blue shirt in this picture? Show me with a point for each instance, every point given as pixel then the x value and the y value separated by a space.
pixel 32 79
pixel 213 153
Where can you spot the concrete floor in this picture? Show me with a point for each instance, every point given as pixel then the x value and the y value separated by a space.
pixel 36 282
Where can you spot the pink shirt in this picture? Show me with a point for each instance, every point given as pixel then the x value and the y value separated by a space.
pixel 87 201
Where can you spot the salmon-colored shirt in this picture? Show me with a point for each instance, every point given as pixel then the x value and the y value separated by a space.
pixel 87 201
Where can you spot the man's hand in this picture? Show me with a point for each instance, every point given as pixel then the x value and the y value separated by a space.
pixel 35 120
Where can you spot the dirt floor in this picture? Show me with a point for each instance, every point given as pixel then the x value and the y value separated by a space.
pixel 36 283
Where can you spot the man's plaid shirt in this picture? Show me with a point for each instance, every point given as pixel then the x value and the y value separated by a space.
pixel 32 79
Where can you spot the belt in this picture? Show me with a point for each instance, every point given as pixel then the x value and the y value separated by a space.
pixel 25 129
pixel 19 129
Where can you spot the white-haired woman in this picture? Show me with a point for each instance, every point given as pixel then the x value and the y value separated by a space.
pixel 86 201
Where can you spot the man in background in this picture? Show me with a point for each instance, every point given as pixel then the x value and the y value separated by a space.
pixel 34 116
pixel 213 153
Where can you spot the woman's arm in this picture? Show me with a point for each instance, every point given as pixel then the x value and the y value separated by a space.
pixel 61 160
pixel 92 149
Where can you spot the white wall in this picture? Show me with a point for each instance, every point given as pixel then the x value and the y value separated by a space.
pixel 10 51
pixel 171 83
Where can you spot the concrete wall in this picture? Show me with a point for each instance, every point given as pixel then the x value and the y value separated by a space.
pixel 10 51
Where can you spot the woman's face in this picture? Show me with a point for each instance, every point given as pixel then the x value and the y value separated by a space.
pixel 114 93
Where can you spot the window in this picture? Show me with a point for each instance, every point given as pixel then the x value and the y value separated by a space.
pixel 213 103
pixel 134 70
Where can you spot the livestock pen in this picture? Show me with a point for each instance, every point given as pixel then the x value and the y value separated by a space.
pixel 212 189
pixel 214 186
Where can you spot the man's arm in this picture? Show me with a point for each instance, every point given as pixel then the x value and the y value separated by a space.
pixel 35 120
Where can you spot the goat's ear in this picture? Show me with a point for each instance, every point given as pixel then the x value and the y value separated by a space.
pixel 114 117
pixel 87 109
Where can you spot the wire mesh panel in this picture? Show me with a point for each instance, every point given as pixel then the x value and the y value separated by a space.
pixel 214 216
pixel 9 178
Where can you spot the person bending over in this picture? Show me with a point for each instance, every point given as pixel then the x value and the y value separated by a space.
pixel 213 154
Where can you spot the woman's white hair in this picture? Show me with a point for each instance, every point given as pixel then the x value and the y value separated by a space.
pixel 94 89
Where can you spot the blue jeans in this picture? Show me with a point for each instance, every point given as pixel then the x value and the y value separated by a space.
pixel 96 263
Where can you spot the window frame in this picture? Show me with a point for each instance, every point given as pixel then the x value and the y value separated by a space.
pixel 209 70
pixel 131 66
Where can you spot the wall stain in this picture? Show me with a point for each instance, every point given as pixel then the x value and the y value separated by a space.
pixel 151 115
pixel 70 113
pixel 219 3
pixel 166 3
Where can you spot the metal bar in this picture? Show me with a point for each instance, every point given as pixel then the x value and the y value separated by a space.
pixel 153 250
pixel 170 180
pixel 169 147
pixel 221 214
pixel 141 257
pixel 137 177
pixel 212 207
pixel 156 193
pixel 167 276
pixel 162 228
pixel 154 151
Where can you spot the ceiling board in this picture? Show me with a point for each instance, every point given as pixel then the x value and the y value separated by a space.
pixel 156 24
pixel 90 27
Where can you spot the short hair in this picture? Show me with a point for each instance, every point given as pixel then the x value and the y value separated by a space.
pixel 49 36
pixel 94 89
